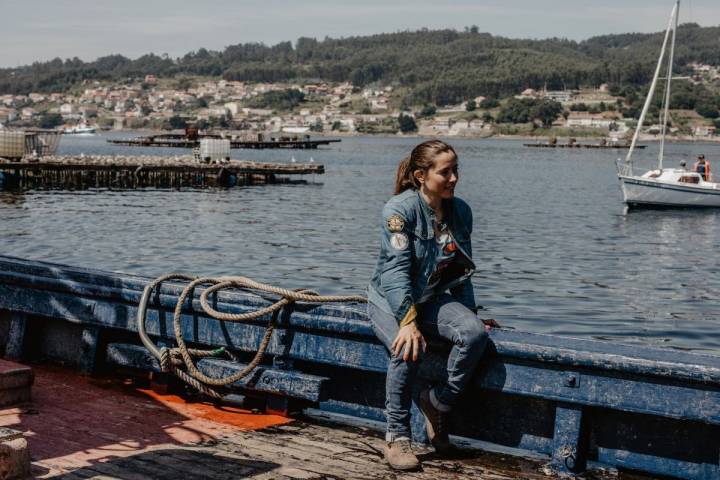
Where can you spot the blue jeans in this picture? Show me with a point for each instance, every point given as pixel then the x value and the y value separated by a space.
pixel 445 319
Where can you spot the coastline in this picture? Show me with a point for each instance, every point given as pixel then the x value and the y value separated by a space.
pixel 590 137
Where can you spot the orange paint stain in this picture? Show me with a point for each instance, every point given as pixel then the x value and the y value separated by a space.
pixel 237 417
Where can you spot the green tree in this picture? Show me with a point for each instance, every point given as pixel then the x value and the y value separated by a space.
pixel 546 111
pixel 177 122
pixel 427 111
pixel 50 120
pixel 407 123
pixel 707 111
pixel 489 102
pixel 183 84
pixel 283 100
pixel 470 106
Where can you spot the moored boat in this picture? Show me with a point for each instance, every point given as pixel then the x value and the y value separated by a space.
pixel 665 187
pixel 577 403
pixel 670 187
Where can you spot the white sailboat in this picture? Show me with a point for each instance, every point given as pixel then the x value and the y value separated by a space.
pixel 664 187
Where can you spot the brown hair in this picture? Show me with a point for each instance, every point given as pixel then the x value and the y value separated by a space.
pixel 422 157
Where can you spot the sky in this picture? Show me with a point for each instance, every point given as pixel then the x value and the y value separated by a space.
pixel 35 30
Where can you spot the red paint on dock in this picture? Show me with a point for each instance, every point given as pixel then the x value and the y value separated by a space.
pixel 74 421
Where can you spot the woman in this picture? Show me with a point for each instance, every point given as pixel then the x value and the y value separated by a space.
pixel 421 289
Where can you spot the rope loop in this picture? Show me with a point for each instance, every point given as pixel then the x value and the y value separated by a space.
pixel 165 360
pixel 181 360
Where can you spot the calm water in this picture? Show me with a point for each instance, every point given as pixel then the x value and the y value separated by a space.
pixel 555 252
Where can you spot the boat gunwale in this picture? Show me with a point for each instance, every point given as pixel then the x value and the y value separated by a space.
pixel 351 320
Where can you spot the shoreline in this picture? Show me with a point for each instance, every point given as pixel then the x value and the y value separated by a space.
pixel 538 138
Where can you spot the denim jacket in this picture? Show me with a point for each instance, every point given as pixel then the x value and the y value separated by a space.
pixel 408 251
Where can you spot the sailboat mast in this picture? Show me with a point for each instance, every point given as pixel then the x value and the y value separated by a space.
pixel 666 102
pixel 653 85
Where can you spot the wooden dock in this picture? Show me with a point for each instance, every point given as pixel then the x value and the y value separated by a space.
pixel 127 172
pixel 183 141
pixel 102 427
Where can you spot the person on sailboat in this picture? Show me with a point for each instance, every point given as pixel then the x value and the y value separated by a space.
pixel 702 167
pixel 421 289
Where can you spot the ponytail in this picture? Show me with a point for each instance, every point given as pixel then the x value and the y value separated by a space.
pixel 404 179
pixel 422 157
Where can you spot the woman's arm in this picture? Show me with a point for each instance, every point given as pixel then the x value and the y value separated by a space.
pixel 396 250
pixel 396 282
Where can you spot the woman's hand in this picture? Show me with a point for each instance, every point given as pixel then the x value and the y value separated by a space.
pixel 490 323
pixel 411 340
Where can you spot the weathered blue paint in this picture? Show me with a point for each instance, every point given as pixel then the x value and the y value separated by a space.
pixel 88 348
pixel 16 336
pixel 634 407
pixel 263 379
pixel 568 455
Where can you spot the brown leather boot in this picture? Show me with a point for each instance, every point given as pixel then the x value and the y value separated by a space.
pixel 399 455
pixel 436 423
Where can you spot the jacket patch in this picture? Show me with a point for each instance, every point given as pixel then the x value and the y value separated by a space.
pixel 395 223
pixel 399 241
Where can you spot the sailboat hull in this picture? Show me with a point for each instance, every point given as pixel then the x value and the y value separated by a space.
pixel 644 192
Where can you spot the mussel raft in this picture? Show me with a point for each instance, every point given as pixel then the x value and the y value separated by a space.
pixel 125 172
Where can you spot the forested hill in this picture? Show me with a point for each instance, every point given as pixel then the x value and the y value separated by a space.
pixel 439 66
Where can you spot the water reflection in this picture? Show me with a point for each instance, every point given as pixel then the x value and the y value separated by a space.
pixel 12 198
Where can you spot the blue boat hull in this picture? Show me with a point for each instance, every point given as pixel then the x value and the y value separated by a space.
pixel 578 402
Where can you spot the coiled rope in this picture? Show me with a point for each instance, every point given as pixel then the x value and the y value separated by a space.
pixel 181 360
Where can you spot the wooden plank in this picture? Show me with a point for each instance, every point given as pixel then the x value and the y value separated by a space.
pixel 282 382
pixel 568 455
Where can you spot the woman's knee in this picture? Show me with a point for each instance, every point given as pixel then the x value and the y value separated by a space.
pixel 473 334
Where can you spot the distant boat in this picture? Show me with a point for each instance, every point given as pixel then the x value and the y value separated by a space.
pixel 665 187
pixel 80 130
pixel 296 129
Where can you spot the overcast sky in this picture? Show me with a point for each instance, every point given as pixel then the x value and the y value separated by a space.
pixel 35 30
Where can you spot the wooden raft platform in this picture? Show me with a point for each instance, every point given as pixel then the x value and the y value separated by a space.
pixel 580 145
pixel 99 427
pixel 126 172
pixel 182 141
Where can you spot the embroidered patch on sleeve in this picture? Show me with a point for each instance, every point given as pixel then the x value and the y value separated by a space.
pixel 399 241
pixel 395 223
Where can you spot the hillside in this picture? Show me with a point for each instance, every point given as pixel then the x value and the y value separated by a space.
pixel 437 66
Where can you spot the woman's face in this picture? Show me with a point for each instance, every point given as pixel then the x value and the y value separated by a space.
pixel 440 179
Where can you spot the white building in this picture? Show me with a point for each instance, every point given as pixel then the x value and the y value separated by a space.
pixel 67 109
pixel 561 96
pixel 704 131
pixel 590 120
